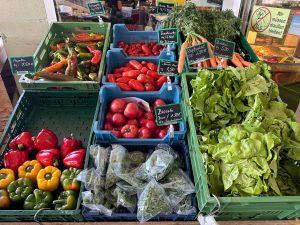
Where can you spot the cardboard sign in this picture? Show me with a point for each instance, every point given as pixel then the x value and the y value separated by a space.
pixel 164 8
pixel 96 8
pixel 168 114
pixel 168 68
pixel 22 65
pixel 223 48
pixel 168 36
pixel 197 53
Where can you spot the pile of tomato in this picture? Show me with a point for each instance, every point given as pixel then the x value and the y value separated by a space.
pixel 141 49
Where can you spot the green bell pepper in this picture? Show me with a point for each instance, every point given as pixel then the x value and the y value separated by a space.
pixel 19 189
pixel 85 56
pixel 81 50
pixel 68 179
pixel 67 200
pixel 38 200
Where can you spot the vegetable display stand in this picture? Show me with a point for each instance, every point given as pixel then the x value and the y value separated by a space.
pixel 109 93
pixel 61 112
pixel 179 147
pixel 241 43
pixel 41 56
pixel 121 33
pixel 232 208
pixel 116 58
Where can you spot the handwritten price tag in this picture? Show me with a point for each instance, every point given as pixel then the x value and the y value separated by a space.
pixel 223 48
pixel 197 53
pixel 168 114
pixel 22 65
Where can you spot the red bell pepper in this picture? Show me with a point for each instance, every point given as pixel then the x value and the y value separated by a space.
pixel 46 139
pixel 22 142
pixel 69 144
pixel 13 159
pixel 97 54
pixel 49 157
pixel 75 159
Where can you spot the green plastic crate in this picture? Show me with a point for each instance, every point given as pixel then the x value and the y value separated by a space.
pixel 63 112
pixel 232 208
pixel 241 42
pixel 42 59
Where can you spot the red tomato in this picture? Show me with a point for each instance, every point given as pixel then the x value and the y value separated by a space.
pixel 118 75
pixel 151 125
pixel 132 74
pixel 145 79
pixel 159 102
pixel 153 74
pixel 149 116
pixel 156 53
pixel 108 117
pixel 129 131
pixel 133 122
pixel 162 133
pixel 152 66
pixel 144 133
pixel 124 87
pixel 141 113
pixel 144 70
pixel 108 126
pixel 117 105
pixel 131 111
pixel 156 132
pixel 143 122
pixel 117 133
pixel 161 81
pixel 125 69
pixel 135 64
pixel 144 63
pixel 136 85
pixel 150 87
pixel 146 49
pixel 123 80
pixel 152 109
pixel 118 119
pixel 111 78
pixel 118 70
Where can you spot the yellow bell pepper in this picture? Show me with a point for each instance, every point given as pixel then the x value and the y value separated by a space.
pixel 6 177
pixel 30 169
pixel 48 178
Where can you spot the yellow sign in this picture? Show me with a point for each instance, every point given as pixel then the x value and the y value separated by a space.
pixel 269 20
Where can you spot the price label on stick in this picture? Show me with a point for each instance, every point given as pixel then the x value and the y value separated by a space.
pixel 197 53
pixel 168 114
pixel 22 65
pixel 164 8
pixel 96 8
pixel 168 36
pixel 168 68
pixel 223 48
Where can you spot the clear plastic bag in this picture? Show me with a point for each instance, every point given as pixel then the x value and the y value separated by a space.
pixel 100 157
pixel 152 201
pixel 177 185
pixel 132 180
pixel 157 166
pixel 129 189
pixel 92 179
pixel 185 206
pixel 137 158
pixel 118 164
pixel 90 201
pixel 125 200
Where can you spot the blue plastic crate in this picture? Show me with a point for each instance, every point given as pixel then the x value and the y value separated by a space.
pixel 108 93
pixel 121 33
pixel 178 146
pixel 117 58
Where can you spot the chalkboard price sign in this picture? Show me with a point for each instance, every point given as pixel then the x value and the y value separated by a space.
pixel 22 65
pixel 223 48
pixel 197 53
pixel 217 2
pixel 96 8
pixel 168 68
pixel 164 8
pixel 168 36
pixel 168 114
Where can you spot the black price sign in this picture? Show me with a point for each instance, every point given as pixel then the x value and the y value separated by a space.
pixel 168 36
pixel 168 114
pixel 153 10
pixel 223 48
pixel 96 8
pixel 217 2
pixel 164 8
pixel 168 68
pixel 22 65
pixel 197 53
